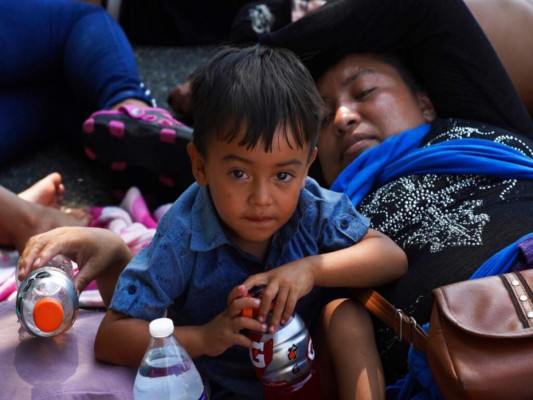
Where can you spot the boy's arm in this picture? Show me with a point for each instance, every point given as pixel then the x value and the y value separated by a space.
pixel 373 261
pixel 123 340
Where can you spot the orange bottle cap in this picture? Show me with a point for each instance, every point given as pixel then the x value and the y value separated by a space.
pixel 48 314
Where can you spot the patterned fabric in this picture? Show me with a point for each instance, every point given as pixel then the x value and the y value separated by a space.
pixel 448 225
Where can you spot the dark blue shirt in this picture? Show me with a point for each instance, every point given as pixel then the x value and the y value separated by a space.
pixel 191 266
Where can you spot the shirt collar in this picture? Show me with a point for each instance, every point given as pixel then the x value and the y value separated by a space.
pixel 207 232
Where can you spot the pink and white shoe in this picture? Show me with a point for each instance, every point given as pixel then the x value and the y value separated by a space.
pixel 133 138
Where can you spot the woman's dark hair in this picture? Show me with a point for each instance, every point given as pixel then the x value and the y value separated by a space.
pixel 319 64
pixel 251 93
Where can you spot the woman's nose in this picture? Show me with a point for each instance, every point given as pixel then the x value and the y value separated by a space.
pixel 346 119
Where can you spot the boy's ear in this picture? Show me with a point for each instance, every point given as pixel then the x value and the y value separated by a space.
pixel 312 158
pixel 198 164
pixel 426 106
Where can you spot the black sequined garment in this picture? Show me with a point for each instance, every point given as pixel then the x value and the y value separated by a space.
pixel 448 225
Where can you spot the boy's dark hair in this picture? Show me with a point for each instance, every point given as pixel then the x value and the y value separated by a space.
pixel 255 90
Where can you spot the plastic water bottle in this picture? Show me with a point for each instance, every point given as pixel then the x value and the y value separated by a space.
pixel 283 360
pixel 167 371
pixel 47 301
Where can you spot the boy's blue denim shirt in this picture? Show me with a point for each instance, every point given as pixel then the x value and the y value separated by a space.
pixel 190 267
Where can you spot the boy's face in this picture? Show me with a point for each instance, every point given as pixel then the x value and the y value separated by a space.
pixel 254 192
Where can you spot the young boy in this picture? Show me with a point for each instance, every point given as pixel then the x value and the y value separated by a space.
pixel 253 218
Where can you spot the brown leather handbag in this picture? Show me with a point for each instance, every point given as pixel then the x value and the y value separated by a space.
pixel 480 339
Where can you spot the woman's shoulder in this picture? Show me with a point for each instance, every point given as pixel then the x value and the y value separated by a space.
pixel 443 130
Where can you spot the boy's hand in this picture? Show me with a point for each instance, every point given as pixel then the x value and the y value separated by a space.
pixel 284 286
pixel 224 330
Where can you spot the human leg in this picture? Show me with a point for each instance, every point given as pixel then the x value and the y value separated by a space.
pixel 20 218
pixel 99 62
pixel 133 139
pixel 74 60
pixel 350 352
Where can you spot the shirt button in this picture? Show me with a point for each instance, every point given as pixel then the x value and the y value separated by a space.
pixel 132 289
pixel 344 224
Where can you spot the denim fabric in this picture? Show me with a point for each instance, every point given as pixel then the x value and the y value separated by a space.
pixel 61 60
pixel 190 267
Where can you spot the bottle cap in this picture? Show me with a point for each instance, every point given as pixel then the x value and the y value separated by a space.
pixel 48 314
pixel 161 327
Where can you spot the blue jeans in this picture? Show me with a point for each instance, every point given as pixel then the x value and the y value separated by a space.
pixel 61 61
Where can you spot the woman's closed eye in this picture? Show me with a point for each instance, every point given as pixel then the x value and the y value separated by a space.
pixel 326 119
pixel 363 94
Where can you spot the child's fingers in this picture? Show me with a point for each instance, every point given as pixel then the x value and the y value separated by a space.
pixel 267 296
pixel 290 305
pixel 235 293
pixel 242 340
pixel 255 281
pixel 279 306
pixel 240 306
pixel 250 324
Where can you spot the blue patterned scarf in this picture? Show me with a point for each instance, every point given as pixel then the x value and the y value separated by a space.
pixel 400 155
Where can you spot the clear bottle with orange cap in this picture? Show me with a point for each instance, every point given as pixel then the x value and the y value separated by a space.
pixel 47 301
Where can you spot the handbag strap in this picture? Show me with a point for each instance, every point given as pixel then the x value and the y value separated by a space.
pixel 405 327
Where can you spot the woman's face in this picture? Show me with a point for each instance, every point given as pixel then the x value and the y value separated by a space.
pixel 367 101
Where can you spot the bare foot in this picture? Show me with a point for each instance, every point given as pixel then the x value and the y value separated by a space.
pixel 48 192
pixel 36 210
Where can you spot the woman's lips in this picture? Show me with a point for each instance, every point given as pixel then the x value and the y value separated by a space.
pixel 355 145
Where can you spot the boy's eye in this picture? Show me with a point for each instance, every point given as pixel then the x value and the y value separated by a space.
pixel 284 176
pixel 238 173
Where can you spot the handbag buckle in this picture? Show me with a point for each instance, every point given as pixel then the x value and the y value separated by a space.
pixel 399 337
